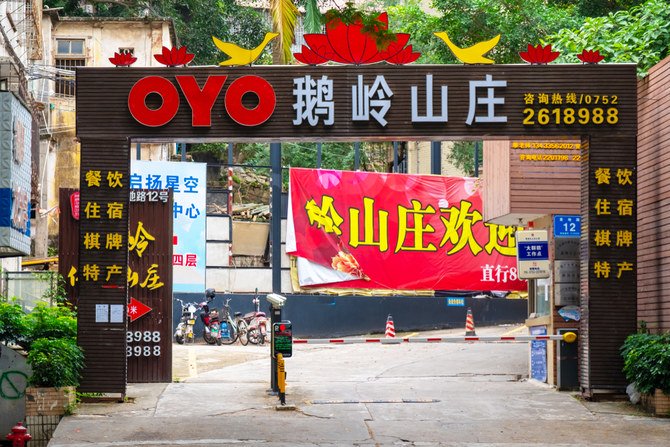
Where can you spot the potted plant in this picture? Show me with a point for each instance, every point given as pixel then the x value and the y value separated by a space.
pixel 647 365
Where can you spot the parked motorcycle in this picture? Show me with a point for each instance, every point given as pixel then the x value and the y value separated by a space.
pixel 184 332
pixel 210 318
pixel 256 323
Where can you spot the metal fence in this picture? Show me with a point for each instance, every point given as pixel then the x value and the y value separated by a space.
pixel 28 288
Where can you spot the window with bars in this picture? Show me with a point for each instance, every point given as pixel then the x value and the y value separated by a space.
pixel 69 55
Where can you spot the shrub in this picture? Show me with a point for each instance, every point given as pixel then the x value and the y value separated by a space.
pixel 14 327
pixel 55 362
pixel 647 362
pixel 51 322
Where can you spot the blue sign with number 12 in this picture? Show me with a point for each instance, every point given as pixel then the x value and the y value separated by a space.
pixel 567 225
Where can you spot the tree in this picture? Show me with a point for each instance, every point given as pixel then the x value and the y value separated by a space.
pixel 284 20
pixel 462 155
pixel 595 8
pixel 519 22
pixel 640 35
pixel 195 21
pixel 410 18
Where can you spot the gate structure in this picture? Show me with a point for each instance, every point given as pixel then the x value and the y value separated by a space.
pixel 596 103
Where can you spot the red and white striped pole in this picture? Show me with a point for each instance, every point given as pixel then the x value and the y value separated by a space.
pixel 230 212
pixel 568 337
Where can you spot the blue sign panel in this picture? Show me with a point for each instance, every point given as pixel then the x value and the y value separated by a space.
pixel 567 225
pixel 455 301
pixel 533 251
pixel 538 355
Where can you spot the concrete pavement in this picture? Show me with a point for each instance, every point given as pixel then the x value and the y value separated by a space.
pixel 359 395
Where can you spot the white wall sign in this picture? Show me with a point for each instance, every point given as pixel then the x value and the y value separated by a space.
pixel 532 254
pixel 188 182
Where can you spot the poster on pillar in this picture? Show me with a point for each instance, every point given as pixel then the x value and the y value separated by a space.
pixel 396 231
pixel 188 182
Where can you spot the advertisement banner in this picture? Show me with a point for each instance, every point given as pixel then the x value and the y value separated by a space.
pixel 396 231
pixel 15 175
pixel 188 182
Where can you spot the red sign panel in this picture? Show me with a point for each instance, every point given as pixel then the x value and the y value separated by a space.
pixel 396 231
pixel 74 204
pixel 136 309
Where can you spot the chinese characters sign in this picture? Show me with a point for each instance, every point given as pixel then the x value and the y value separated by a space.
pixel 294 103
pixel 394 231
pixel 189 186
pixel 533 254
pixel 614 224
pixel 15 174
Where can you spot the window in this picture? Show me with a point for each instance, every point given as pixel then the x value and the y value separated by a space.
pixel 69 55
pixel 70 47
pixel 542 295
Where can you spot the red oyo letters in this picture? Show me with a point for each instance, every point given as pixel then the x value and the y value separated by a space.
pixel 201 100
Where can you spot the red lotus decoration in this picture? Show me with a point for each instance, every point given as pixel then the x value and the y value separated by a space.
pixel 174 56
pixel 348 44
pixel 590 57
pixel 539 55
pixel 122 59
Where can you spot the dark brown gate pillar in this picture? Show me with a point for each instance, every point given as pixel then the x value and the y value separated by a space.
pixel 608 254
pixel 103 263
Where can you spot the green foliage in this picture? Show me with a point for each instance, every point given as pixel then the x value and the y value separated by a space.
pixel 55 293
pixel 218 149
pixel 284 20
pixel 195 21
pixel 647 361
pixel 333 156
pixel 312 20
pixel 640 35
pixel 462 155
pixel 519 22
pixel 55 362
pixel 410 18
pixel 51 322
pixel 593 8
pixel 13 325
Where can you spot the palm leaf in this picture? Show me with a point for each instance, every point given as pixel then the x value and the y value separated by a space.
pixel 312 22
pixel 284 19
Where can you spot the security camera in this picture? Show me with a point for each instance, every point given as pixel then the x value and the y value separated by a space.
pixel 276 300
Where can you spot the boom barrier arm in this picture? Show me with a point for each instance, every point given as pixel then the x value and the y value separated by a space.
pixel 568 337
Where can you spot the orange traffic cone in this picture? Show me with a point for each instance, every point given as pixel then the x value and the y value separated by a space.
pixel 390 329
pixel 469 324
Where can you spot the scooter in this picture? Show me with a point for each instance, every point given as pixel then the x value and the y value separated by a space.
pixel 210 318
pixel 256 323
pixel 184 332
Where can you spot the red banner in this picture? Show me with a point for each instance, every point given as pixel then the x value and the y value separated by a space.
pixel 396 231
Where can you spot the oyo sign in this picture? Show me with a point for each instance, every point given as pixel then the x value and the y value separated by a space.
pixel 201 100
